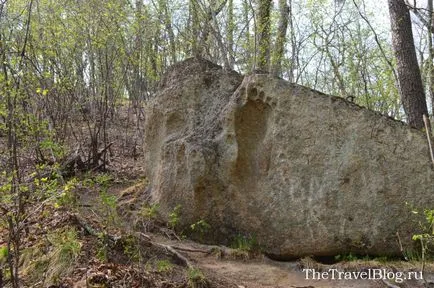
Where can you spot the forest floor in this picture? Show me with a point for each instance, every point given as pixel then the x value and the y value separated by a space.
pixel 121 247
pixel 103 232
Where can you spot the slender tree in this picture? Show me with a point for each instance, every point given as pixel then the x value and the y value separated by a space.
pixel 230 27
pixel 281 38
pixel 263 35
pixel 410 81
pixel 425 17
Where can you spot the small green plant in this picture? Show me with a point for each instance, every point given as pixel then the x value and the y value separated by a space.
pixel 428 227
pixel 50 146
pixel 109 207
pixel 4 253
pixel 67 244
pixel 164 266
pixel 101 254
pixel 174 217
pixel 103 180
pixel 426 238
pixel 131 248
pixel 245 243
pixel 245 247
pixel 108 201
pixel 88 181
pixel 202 227
pixel 412 255
pixel 67 197
pixel 59 260
pixel 150 212
pixel 102 251
pixel 196 279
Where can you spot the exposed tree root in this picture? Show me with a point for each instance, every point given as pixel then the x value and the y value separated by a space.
pixel 145 240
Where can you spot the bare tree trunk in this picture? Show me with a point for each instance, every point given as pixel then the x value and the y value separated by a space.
pixel 338 75
pixel 281 38
pixel 230 33
pixel 294 50
pixel 431 54
pixel 410 82
pixel 194 27
pixel 263 35
pixel 168 25
pixel 247 48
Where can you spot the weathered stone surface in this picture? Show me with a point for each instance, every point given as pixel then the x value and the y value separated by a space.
pixel 303 172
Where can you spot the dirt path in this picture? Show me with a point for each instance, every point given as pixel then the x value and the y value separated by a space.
pixel 262 272
pixel 266 273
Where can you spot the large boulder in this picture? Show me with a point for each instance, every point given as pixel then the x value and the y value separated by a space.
pixel 302 172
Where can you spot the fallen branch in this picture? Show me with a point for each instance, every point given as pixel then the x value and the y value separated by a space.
pixel 400 246
pixel 179 257
pixel 207 251
pixel 222 251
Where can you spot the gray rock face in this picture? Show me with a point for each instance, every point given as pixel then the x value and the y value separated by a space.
pixel 302 172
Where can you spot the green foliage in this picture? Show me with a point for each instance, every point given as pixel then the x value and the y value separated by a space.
pixel 51 146
pixel 102 250
pixel 3 114
pixel 426 237
pixel 108 202
pixel 196 279
pixel 412 255
pixel 245 243
pixel 4 252
pixel 103 180
pixel 132 248
pixel 150 212
pixel 109 207
pixel 55 262
pixel 35 260
pixel 66 244
pixel 88 181
pixel 6 188
pixel 164 266
pixel 101 253
pixel 202 227
pixel 174 217
pixel 114 51
pixel 67 196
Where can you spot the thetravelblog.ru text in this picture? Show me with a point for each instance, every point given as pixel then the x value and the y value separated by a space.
pixel 368 274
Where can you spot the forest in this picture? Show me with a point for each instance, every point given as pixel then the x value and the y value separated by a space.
pixel 93 126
